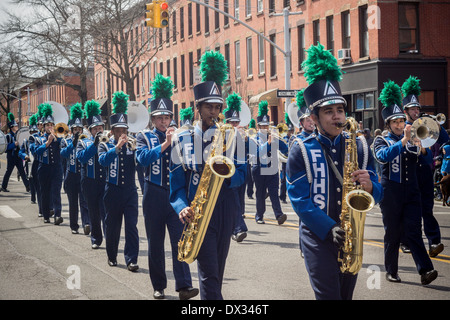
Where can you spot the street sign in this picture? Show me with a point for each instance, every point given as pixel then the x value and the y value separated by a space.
pixel 286 93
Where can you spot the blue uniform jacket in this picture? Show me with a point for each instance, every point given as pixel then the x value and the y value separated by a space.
pixel 398 163
pixel 315 192
pixel 186 166
pixel 156 163
pixel 50 155
pixel 260 147
pixel 69 151
pixel 87 155
pixel 120 164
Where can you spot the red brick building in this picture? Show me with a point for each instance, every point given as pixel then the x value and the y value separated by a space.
pixel 374 41
pixel 37 92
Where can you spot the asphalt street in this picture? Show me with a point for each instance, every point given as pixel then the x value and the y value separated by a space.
pixel 48 262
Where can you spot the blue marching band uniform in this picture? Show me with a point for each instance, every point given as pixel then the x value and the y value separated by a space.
pixel 101 173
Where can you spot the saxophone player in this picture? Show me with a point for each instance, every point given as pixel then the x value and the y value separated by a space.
pixel 314 172
pixel 153 154
pixel 401 205
pixel 186 172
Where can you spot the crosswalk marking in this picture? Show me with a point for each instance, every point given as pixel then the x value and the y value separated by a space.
pixel 8 212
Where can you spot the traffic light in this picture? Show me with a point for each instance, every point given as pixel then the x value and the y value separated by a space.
pixel 164 15
pixel 157 15
pixel 150 15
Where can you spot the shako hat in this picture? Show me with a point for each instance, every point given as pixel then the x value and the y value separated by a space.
pixel 411 92
pixel 119 118
pixel 11 120
pixel 92 112
pixel 186 116
pixel 233 109
pixel 263 118
pixel 391 99
pixel 47 113
pixel 213 70
pixel 162 90
pixel 76 116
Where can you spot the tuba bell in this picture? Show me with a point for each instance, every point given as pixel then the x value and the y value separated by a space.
pixel 138 117
pixel 61 130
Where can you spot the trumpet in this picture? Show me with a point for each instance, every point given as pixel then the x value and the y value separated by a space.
pixel 131 143
pixel 279 131
pixel 104 136
pixel 61 130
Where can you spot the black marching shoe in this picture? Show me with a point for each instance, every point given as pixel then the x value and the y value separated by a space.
pixel 112 263
pixel 4 190
pixel 435 249
pixel 428 277
pixel 158 294
pixel 281 219
pixel 187 293
pixel 58 220
pixel 133 267
pixel 393 278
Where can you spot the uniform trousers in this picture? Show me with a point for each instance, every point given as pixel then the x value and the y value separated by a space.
pixel 72 185
pixel 94 191
pixel 270 183
pixel 240 225
pixel 426 186
pixel 14 161
pixel 34 180
pixel 50 182
pixel 121 203
pixel 159 214
pixel 214 250
pixel 321 261
pixel 401 210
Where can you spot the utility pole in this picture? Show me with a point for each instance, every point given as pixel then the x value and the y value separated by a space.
pixel 287 44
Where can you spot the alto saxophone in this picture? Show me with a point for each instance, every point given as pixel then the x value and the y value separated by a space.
pixel 355 203
pixel 217 168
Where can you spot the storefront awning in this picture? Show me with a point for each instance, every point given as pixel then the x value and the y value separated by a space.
pixel 269 95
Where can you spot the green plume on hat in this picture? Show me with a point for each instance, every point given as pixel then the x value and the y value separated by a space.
pixel 300 100
pixel 11 117
pixel 39 112
pixel 391 94
pixel 92 108
pixel 162 87
pixel 321 65
pixel 47 110
pixel 233 102
pixel 263 108
pixel 76 111
pixel 186 113
pixel 33 120
pixel 411 86
pixel 120 102
pixel 213 67
pixel 252 124
pixel 286 118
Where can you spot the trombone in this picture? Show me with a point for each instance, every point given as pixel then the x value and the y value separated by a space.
pixel 426 129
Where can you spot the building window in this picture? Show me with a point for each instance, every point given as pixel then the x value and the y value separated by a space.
pixel 408 24
pixel 182 23
pixel 301 46
pixel 175 73
pixel 273 57
pixel 216 16
pixel 261 66
pixel 271 6
pixel 330 34
pixel 183 81
pixel 237 58
pixel 206 17
pixel 260 5
pixel 226 20
pixel 174 25
pixel 286 3
pixel 248 8
pixel 197 11
pixel 345 18
pixel 363 32
pixel 191 68
pixel 316 32
pixel 189 19
pixel 168 67
pixel 227 57
pixel 236 9
pixel 249 57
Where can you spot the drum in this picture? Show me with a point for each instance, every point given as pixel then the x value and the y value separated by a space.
pixel 3 142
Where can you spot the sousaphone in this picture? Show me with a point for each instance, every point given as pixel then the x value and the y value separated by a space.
pixel 245 114
pixel 138 117
pixel 59 112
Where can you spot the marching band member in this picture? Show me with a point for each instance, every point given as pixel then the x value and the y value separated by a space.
pixel 287 139
pixel 25 154
pixel 411 91
pixel 72 178
pixel 304 113
pixel 12 155
pixel 187 170
pixel 265 168
pixel 153 154
pixel 249 179
pixel 401 204
pixel 121 197
pixel 47 151
pixel 232 116
pixel 93 175
pixel 314 183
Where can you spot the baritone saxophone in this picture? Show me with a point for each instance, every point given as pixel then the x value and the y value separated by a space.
pixel 217 168
pixel 355 203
